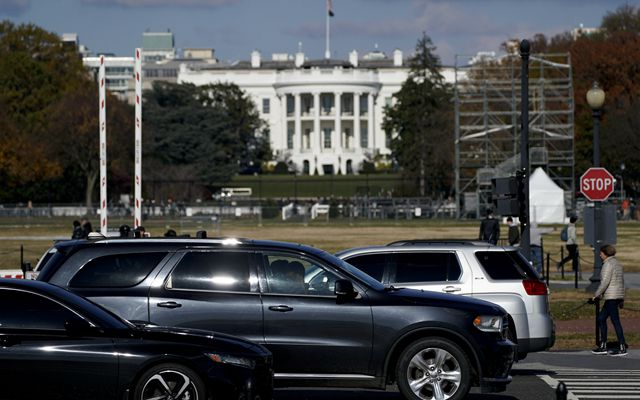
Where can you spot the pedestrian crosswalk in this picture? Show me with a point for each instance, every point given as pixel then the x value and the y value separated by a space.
pixel 594 384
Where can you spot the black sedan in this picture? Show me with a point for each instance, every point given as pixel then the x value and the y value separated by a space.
pixel 57 345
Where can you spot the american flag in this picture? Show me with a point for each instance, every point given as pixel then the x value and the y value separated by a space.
pixel 330 8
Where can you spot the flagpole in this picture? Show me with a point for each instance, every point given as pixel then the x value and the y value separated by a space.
pixel 327 53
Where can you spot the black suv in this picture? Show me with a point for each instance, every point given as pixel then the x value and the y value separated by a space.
pixel 326 322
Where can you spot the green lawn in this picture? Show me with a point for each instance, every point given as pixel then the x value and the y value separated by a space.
pixel 331 235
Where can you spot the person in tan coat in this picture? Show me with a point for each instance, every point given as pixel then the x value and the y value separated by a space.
pixel 611 289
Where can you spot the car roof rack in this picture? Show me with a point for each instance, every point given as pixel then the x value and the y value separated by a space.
pixel 413 242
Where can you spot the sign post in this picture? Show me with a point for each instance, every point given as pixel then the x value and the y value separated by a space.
pixel 596 184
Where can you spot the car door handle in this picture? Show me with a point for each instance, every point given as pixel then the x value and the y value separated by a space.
pixel 451 289
pixel 281 308
pixel 169 304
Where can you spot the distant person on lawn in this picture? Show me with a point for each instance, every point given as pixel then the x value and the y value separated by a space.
pixel 77 230
pixel 490 229
pixel 611 289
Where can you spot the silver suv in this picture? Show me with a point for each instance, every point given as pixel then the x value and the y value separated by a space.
pixel 497 274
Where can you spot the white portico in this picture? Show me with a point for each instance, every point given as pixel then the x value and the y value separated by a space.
pixel 329 125
pixel 324 116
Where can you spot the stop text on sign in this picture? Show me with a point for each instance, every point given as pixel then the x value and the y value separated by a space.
pixel 597 184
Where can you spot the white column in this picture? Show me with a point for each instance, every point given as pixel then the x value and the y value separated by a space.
pixel 282 140
pixel 316 135
pixel 338 129
pixel 297 136
pixel 370 131
pixel 338 122
pixel 356 121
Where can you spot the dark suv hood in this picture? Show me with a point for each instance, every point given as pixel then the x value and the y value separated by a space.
pixel 435 299
pixel 230 344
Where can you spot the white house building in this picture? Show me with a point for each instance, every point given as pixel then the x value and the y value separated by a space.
pixel 324 116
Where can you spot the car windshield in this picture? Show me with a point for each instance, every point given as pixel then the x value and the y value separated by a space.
pixel 350 269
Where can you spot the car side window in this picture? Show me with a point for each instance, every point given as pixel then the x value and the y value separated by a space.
pixel 371 264
pixel 116 270
pixel 505 265
pixel 213 271
pixel 25 310
pixel 291 274
pixel 426 267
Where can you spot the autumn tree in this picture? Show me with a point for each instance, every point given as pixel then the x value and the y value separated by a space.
pixel 35 71
pixel 625 18
pixel 74 125
pixel 421 121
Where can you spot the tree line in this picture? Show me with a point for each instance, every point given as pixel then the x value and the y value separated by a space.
pixel 207 134
pixel 49 126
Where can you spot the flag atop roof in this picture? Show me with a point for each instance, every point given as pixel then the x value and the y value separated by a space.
pixel 330 8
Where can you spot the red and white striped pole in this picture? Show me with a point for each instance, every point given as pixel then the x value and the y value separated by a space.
pixel 103 148
pixel 138 142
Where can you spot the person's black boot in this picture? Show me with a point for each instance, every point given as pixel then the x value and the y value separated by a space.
pixel 602 349
pixel 621 351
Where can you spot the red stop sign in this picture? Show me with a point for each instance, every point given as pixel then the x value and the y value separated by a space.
pixel 596 184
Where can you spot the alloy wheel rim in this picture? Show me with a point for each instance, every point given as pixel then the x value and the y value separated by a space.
pixel 434 374
pixel 169 385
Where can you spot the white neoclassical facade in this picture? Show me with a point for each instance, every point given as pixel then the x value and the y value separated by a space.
pixel 324 116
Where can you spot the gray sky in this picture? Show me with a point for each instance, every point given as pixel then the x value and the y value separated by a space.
pixel 236 27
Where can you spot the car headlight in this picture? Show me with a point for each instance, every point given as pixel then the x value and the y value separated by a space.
pixel 233 360
pixel 488 323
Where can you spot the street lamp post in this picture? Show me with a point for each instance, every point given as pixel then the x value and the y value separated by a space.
pixel 622 196
pixel 595 99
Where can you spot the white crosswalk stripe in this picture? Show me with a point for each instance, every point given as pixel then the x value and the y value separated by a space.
pixel 594 384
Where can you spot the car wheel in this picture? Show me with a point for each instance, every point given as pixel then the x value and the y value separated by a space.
pixel 170 381
pixel 433 369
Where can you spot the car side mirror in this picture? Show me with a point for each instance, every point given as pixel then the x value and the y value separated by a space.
pixel 77 327
pixel 344 290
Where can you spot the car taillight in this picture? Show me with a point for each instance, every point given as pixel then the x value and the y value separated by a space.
pixel 534 287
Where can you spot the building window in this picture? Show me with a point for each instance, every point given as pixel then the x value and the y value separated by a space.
pixel 364 105
pixel 290 138
pixel 347 104
pixel 151 73
pixel 266 106
pixel 348 139
pixel 364 137
pixel 327 103
pixel 387 139
pixel 388 101
pixel 305 167
pixel 291 106
pixel 307 104
pixel 327 138
pixel 306 139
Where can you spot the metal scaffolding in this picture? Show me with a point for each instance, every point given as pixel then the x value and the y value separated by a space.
pixel 487 124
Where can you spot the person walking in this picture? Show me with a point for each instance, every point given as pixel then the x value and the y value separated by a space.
pixel 514 232
pixel 572 245
pixel 611 289
pixel 490 228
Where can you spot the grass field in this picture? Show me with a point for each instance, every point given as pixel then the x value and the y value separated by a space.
pixel 35 235
pixel 575 326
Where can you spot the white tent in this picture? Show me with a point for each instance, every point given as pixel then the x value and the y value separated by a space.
pixel 546 199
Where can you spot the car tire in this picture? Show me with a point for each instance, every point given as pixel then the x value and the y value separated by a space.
pixel 170 380
pixel 433 369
